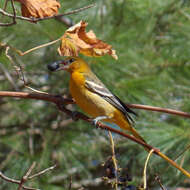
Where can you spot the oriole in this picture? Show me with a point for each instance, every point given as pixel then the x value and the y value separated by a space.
pixel 93 97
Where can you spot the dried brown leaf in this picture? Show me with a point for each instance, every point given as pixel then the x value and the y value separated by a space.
pixel 68 48
pixel 86 42
pixel 39 8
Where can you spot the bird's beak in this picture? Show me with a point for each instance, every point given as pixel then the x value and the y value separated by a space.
pixel 57 66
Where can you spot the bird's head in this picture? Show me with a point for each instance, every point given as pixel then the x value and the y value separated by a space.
pixel 69 64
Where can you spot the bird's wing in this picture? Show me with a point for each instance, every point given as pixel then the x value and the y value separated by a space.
pixel 95 85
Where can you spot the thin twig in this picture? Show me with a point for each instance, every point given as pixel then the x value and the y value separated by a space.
pixel 8 158
pixel 8 76
pixel 14 12
pixel 42 172
pixel 181 153
pixel 13 16
pixel 114 160
pixel 14 181
pixel 70 183
pixel 158 109
pixel 145 168
pixel 38 47
pixel 157 178
pixel 5 5
pixel 27 51
pixel 60 101
pixel 19 69
pixel 10 15
pixel 25 177
pixel 45 18
pixel 65 14
pixel 10 58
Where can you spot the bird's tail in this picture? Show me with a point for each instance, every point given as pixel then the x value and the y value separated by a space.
pixel 124 124
pixel 135 134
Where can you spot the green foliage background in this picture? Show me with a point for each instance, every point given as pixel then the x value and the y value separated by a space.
pixel 151 38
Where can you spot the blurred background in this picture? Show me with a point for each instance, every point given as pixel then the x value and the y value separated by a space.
pixel 152 41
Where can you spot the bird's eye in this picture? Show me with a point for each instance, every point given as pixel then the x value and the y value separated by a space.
pixel 71 60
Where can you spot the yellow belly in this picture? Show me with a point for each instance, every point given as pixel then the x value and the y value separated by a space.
pixel 88 101
pixel 95 105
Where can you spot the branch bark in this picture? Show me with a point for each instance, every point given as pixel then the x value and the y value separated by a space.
pixel 159 109
pixel 39 19
pixel 60 101
pixel 26 177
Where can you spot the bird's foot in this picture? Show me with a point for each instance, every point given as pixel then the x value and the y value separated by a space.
pixel 97 119
pixel 60 97
pixel 74 115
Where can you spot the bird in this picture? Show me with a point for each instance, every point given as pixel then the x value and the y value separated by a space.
pixel 93 97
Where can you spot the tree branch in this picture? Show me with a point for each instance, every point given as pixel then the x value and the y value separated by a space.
pixel 26 177
pixel 158 109
pixel 14 181
pixel 37 96
pixel 13 16
pixel 45 18
pixel 60 101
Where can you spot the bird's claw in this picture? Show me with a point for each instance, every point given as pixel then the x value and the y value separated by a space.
pixel 74 115
pixel 97 119
pixel 95 122
pixel 60 98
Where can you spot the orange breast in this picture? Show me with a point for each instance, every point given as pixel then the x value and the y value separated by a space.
pixel 89 102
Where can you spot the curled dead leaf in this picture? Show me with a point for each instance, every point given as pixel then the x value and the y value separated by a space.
pixel 39 8
pixel 85 42
pixel 68 48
